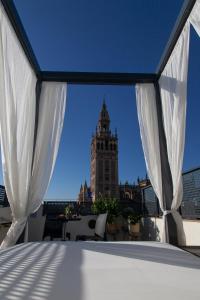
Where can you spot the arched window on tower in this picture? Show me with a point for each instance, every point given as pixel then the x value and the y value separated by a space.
pixel 98 146
pixel 106 145
pixel 101 146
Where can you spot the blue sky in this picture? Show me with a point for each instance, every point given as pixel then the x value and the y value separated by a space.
pixel 115 36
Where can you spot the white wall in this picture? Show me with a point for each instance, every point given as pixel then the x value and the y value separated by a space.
pixel 80 227
pixel 5 216
pixel 192 232
pixel 36 223
pixel 152 230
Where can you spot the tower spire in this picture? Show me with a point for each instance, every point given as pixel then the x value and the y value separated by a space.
pixel 104 120
pixel 104 102
pixel 104 159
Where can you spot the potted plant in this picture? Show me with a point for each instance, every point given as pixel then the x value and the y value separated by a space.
pixel 69 210
pixel 133 223
pixel 125 213
pixel 111 206
pixel 99 206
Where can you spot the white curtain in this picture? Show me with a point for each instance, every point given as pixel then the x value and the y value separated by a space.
pixel 194 17
pixel 173 89
pixel 173 86
pixel 148 123
pixel 17 120
pixel 51 118
pixel 25 186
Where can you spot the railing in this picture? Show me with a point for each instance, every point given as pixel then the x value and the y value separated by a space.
pixel 57 206
pixel 190 206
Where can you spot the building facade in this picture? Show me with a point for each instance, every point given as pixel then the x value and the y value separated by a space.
pixel 104 178
pixel 104 159
pixel 84 194
pixel 3 197
pixel 190 205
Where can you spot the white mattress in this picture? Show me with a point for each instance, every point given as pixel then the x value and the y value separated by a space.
pixel 98 271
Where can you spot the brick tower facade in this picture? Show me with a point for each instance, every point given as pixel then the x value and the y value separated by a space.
pixel 104 159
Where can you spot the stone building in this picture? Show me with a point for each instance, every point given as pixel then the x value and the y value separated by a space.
pixel 128 191
pixel 85 194
pixel 104 159
pixel 104 179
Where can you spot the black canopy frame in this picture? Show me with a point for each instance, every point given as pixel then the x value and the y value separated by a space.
pixel 96 77
pixel 113 79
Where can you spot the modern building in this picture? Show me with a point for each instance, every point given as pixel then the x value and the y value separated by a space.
pixel 3 197
pixel 190 206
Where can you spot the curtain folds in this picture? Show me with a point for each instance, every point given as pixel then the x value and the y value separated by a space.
pixel 148 123
pixel 194 17
pixel 26 177
pixel 173 89
pixel 17 121
pixel 51 118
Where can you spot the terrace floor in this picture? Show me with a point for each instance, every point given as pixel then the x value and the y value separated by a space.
pixel 98 270
pixel 193 249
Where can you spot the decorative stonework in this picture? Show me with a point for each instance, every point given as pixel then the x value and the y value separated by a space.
pixel 104 167
pixel 104 159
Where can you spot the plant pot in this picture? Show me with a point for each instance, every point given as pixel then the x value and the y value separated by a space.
pixel 111 228
pixel 134 228
pixel 68 216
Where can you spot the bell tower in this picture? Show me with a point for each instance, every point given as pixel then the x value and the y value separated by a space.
pixel 104 159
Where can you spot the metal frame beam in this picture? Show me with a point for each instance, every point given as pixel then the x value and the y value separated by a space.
pixel 98 78
pixel 178 27
pixel 21 34
pixel 90 77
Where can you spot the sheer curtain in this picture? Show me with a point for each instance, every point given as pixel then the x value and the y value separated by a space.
pixel 26 178
pixel 148 123
pixel 173 89
pixel 51 118
pixel 194 17
pixel 17 120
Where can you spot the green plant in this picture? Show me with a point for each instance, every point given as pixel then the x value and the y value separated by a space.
pixel 109 205
pixel 134 218
pixel 127 211
pixel 69 210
